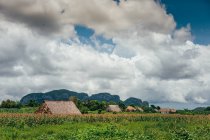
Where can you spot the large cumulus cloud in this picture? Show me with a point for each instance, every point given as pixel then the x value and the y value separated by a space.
pixel 151 60
pixel 104 16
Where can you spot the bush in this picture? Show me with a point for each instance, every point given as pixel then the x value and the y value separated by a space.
pixel 182 134
pixel 84 110
pixel 99 111
pixel 32 103
pixel 10 104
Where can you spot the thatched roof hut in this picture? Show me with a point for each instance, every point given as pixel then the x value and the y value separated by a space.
pixel 156 110
pixel 167 110
pixel 140 109
pixel 130 109
pixel 172 110
pixel 58 107
pixel 113 108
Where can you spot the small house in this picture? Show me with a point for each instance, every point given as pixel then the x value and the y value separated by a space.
pixel 59 108
pixel 172 110
pixel 130 109
pixel 113 108
pixel 139 109
pixel 167 110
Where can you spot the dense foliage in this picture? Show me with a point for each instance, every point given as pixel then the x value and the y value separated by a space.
pixel 10 104
pixel 204 111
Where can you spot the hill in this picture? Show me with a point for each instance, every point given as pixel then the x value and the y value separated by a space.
pixel 105 97
pixel 56 95
pixel 64 94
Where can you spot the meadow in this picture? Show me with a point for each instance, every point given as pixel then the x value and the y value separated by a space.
pixel 104 127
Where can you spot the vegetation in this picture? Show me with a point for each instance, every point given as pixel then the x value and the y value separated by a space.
pixel 19 122
pixel 18 110
pixel 100 127
pixel 201 111
pixel 10 104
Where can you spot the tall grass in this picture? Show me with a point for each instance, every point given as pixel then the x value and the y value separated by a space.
pixel 104 126
pixel 18 120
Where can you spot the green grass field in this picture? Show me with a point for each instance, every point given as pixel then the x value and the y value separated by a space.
pixel 104 127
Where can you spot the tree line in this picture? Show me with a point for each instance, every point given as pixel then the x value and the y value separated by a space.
pixel 94 105
pixel 16 104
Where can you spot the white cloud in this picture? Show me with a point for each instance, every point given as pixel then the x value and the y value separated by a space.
pixel 152 60
pixel 53 17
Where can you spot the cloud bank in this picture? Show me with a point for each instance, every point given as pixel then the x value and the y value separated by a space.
pixel 152 59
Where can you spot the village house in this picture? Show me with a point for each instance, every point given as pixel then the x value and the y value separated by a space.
pixel 113 108
pixel 130 109
pixel 58 108
pixel 167 110
pixel 139 109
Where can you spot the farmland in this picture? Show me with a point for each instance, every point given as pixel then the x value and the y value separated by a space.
pixel 104 126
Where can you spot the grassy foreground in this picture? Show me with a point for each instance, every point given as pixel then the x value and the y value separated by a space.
pixel 104 127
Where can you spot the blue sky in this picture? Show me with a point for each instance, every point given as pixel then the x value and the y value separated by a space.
pixel 193 12
pixel 87 36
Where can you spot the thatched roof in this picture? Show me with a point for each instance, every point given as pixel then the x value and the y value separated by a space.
pixel 58 107
pixel 156 110
pixel 113 108
pixel 130 109
pixel 140 109
pixel 167 110
pixel 173 110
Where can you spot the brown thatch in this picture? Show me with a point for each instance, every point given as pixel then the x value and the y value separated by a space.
pixel 156 110
pixel 58 107
pixel 130 109
pixel 140 109
pixel 167 110
pixel 173 111
pixel 113 108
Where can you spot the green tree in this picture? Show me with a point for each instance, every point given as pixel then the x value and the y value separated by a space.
pixel 158 107
pixel 84 109
pixel 122 106
pixel 10 104
pixel 32 103
pixel 208 108
pixel 94 105
pixel 112 103
pixel 153 106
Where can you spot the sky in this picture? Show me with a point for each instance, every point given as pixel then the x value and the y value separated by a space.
pixel 154 50
pixel 196 13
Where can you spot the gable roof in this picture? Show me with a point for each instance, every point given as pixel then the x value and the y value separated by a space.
pixel 167 110
pixel 113 108
pixel 130 108
pixel 59 107
pixel 140 109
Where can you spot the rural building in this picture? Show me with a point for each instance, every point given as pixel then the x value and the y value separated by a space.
pixel 173 111
pixel 58 107
pixel 139 109
pixel 167 110
pixel 156 110
pixel 113 108
pixel 130 109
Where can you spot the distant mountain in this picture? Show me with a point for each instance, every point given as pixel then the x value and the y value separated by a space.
pixel 133 101
pixel 64 94
pixel 200 109
pixel 105 97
